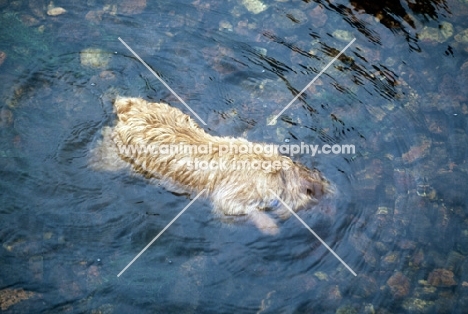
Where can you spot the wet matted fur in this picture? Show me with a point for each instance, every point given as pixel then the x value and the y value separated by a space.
pixel 233 191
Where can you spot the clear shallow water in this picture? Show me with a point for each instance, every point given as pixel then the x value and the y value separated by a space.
pixel 398 94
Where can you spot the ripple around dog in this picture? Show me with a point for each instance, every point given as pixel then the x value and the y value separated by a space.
pixel 233 192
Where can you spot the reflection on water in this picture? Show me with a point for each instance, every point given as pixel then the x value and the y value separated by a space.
pixel 398 94
pixel 400 17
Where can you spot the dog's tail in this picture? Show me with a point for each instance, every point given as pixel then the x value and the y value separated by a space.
pixel 123 104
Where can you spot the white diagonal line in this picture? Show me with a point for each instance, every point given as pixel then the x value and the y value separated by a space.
pixel 312 231
pixel 159 234
pixel 311 82
pixel 161 80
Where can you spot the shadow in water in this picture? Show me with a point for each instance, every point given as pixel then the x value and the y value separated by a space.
pixel 397 16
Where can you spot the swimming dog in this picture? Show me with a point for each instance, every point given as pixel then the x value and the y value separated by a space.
pixel 163 143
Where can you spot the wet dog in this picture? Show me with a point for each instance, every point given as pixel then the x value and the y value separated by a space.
pixel 163 143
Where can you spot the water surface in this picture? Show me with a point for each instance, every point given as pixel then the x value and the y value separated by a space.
pixel 398 94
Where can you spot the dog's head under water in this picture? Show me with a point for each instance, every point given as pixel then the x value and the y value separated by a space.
pixel 314 184
pixel 299 188
pixel 284 190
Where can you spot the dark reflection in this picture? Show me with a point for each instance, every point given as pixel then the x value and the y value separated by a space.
pixel 395 15
pixel 383 79
pixel 384 82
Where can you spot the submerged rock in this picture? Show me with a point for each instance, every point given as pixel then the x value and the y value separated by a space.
pixel 29 20
pixel 36 267
pixel 451 187
pixel 56 11
pixel 295 18
pixel 131 6
pixel 2 57
pixel 429 34
pixel 95 16
pixel 435 123
pixel 9 297
pixel 415 305
pixel 462 37
pixel 26 41
pixel 319 16
pixel 321 275
pixel 37 8
pixel 390 260
pixel 343 35
pixel 254 6
pixel 187 289
pixel 441 278
pixel 417 259
pixel 94 57
pixel 417 152
pixel 399 285
pixel 365 286
pixel 346 309
pixel 455 262
pixel 104 309
pixel 436 35
pixel 6 117
pixel 446 30
pixel 265 304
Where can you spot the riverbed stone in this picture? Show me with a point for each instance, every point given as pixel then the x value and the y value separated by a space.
pixel 254 6
pixel 94 57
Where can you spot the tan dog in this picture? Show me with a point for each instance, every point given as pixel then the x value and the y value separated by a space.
pixel 237 181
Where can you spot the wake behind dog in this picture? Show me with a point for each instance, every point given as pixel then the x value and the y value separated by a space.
pixel 163 143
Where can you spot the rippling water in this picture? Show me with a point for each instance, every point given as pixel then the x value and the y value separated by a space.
pixel 398 93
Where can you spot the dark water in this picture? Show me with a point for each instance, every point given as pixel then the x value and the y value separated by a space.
pixel 400 219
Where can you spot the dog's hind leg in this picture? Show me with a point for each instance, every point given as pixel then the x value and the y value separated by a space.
pixel 265 223
pixel 105 155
